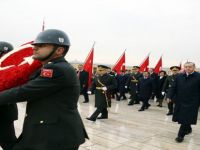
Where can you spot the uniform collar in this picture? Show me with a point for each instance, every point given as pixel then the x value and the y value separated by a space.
pixel 56 60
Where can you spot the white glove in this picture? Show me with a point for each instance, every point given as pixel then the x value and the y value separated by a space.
pixel 104 88
pixel 89 92
pixel 126 87
pixel 163 93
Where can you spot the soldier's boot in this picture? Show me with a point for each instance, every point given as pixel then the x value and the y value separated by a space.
pixel 104 114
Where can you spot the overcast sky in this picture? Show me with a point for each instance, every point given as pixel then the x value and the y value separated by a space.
pixel 163 27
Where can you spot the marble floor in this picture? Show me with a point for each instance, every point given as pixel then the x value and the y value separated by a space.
pixel 128 129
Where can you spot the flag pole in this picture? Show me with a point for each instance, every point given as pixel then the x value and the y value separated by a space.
pixel 43 24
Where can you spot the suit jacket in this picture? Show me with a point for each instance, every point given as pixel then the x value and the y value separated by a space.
pixel 187 91
pixel 145 88
pixel 52 120
pixel 83 78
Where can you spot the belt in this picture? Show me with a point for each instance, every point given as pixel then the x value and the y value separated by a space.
pixel 99 88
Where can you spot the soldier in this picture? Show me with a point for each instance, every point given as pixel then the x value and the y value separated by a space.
pixel 52 120
pixel 83 78
pixel 132 84
pixel 8 112
pixel 186 88
pixel 167 85
pixel 146 88
pixel 103 84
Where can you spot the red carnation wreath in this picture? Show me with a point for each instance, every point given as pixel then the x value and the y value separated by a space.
pixel 17 66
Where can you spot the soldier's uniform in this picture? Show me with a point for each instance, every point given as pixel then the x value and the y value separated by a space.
pixel 8 113
pixel 168 84
pixel 102 97
pixel 52 119
pixel 132 85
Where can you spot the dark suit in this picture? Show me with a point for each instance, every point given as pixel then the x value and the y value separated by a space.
pixel 121 80
pixel 145 89
pixel 159 88
pixel 83 78
pixel 52 120
pixel 155 77
pixel 187 91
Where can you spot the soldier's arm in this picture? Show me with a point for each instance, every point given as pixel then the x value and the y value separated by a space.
pixel 113 84
pixel 128 81
pixel 172 90
pixel 36 89
pixel 93 86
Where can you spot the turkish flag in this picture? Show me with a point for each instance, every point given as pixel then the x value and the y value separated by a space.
pixel 120 65
pixel 144 66
pixel 17 66
pixel 158 66
pixel 88 65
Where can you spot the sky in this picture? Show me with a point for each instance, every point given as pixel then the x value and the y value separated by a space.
pixel 170 28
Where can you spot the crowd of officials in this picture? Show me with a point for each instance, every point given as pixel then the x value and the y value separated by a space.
pixel 52 120
pixel 180 88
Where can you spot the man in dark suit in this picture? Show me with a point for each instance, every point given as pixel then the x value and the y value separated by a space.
pixel 146 87
pixel 103 85
pixel 186 88
pixel 52 120
pixel 83 78
pixel 132 85
pixel 153 76
pixel 8 112
pixel 121 80
pixel 160 82
pixel 167 85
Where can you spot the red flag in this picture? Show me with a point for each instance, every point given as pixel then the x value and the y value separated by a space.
pixel 120 65
pixel 17 66
pixel 88 65
pixel 144 66
pixel 158 66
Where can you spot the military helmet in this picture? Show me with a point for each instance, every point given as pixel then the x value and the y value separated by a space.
pixel 52 36
pixel 5 47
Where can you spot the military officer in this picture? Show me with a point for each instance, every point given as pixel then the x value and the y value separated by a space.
pixel 8 112
pixel 167 85
pixel 132 85
pixel 103 85
pixel 52 120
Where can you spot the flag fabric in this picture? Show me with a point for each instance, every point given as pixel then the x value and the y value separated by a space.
pixel 158 66
pixel 17 66
pixel 144 66
pixel 88 65
pixel 120 65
